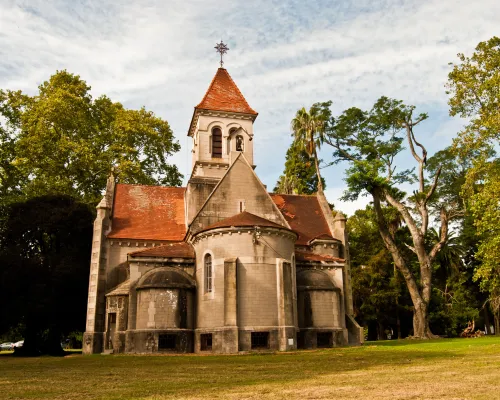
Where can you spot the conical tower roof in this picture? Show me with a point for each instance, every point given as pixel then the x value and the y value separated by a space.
pixel 224 95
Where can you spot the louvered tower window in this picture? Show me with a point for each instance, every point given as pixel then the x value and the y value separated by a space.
pixel 216 143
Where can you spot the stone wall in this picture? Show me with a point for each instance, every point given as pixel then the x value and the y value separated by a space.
pixel 257 294
pixel 325 308
pixel 163 309
pixel 240 185
pixel 264 290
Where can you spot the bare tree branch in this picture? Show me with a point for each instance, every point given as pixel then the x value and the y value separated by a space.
pixel 411 248
pixel 443 235
pixel 433 187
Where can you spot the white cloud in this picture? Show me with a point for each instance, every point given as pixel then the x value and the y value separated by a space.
pixel 334 194
pixel 283 55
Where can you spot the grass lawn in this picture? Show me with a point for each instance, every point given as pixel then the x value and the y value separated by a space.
pixel 437 369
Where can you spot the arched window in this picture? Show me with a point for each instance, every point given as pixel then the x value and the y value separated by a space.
pixel 208 274
pixel 240 144
pixel 216 143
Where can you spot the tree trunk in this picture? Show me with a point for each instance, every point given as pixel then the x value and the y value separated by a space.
pixel 496 317
pixel 398 320
pixel 421 328
pixel 487 326
pixel 316 163
pixel 380 331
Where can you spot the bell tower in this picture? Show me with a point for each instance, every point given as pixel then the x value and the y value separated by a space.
pixel 221 128
pixel 222 124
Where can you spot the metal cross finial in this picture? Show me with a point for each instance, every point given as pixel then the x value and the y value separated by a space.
pixel 222 49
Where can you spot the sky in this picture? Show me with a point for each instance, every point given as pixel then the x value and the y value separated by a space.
pixel 283 55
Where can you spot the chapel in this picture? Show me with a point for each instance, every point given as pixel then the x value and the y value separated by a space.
pixel 220 265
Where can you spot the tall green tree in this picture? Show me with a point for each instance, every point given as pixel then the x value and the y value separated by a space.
pixel 62 140
pixel 45 246
pixel 380 298
pixel 299 176
pixel 309 130
pixel 473 85
pixel 369 141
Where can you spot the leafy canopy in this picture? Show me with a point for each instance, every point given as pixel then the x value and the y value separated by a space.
pixel 474 88
pixel 62 140
pixel 370 140
pixel 299 176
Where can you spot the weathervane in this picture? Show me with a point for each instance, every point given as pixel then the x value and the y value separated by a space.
pixel 222 49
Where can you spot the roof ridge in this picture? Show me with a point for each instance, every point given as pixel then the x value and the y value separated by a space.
pixel 287 194
pixel 169 243
pixel 233 219
pixel 155 186
pixel 209 87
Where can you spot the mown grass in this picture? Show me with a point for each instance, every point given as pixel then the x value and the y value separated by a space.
pixel 437 369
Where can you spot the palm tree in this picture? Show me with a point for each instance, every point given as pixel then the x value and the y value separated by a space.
pixel 309 130
pixel 287 185
pixel 450 258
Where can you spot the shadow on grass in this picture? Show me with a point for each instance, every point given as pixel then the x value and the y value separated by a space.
pixel 65 353
pixel 141 376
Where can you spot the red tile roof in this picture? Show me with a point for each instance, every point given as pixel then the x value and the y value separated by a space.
pixel 243 219
pixel 224 95
pixel 148 213
pixel 304 215
pixel 169 250
pixel 309 256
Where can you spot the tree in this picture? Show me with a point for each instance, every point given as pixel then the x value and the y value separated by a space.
pixel 473 85
pixel 299 176
pixel 45 246
pixel 63 141
pixel 369 141
pixel 309 132
pixel 380 300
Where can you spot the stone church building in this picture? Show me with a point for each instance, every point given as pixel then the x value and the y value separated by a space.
pixel 221 265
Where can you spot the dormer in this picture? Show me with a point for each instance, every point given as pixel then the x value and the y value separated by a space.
pixel 222 124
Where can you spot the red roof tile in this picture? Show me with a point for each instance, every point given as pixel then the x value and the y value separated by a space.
pixel 243 219
pixel 304 215
pixel 148 213
pixel 224 95
pixel 309 256
pixel 169 250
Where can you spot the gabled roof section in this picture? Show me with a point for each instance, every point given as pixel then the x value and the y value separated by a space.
pixel 243 219
pixel 240 174
pixel 224 95
pixel 169 250
pixel 122 289
pixel 148 213
pixel 304 215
